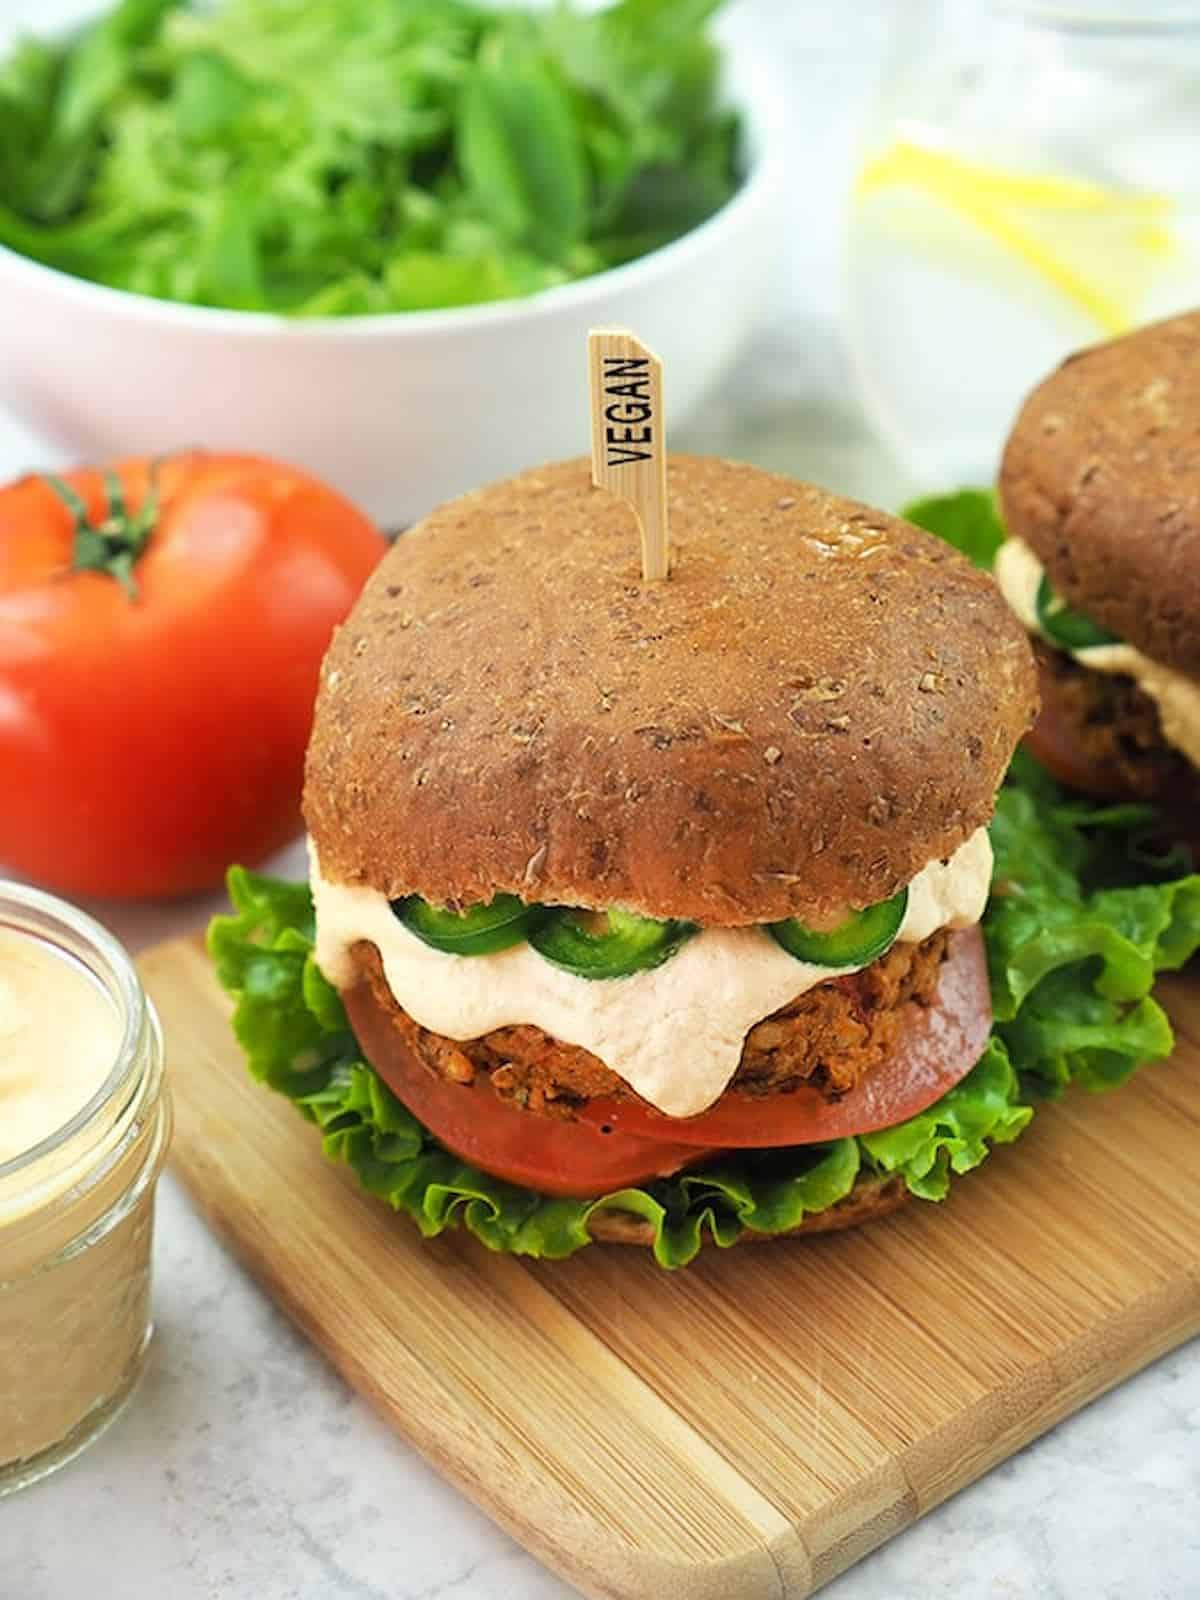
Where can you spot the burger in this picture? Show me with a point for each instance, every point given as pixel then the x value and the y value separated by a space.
pixel 614 877
pixel 651 912
pixel 1100 494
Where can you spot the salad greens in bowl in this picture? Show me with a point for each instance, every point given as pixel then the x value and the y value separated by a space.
pixel 345 157
pixel 371 234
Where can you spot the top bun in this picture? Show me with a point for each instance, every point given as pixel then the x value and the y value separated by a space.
pixel 818 702
pixel 1101 475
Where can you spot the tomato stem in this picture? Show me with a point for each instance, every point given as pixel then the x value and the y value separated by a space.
pixel 114 545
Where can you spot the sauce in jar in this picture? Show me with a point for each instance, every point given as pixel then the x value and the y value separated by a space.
pixel 84 1126
pixel 59 1034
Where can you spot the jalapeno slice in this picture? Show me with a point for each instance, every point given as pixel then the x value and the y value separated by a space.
pixel 606 944
pixel 1072 629
pixel 480 930
pixel 861 939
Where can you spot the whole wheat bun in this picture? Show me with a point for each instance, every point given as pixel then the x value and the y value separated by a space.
pixel 871 1197
pixel 1101 475
pixel 819 701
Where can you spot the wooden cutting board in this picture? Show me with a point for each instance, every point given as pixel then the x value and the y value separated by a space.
pixel 750 1426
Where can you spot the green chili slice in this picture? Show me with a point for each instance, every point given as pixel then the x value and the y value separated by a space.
pixel 480 930
pixel 861 939
pixel 1071 629
pixel 606 944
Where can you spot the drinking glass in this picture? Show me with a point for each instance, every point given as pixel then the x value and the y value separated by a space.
pixel 1029 184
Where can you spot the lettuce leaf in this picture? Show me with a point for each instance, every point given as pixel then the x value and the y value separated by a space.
pixel 351 157
pixel 967 519
pixel 954 1134
pixel 1073 948
pixel 1073 945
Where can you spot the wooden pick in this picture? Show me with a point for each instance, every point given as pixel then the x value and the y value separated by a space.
pixel 629 455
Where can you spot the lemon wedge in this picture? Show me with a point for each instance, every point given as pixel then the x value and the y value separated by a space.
pixel 1098 247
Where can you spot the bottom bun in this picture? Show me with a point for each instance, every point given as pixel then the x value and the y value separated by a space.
pixel 869 1199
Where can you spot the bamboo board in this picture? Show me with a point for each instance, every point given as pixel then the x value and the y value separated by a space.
pixel 751 1426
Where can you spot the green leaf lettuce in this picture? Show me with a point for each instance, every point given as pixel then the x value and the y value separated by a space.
pixel 348 157
pixel 967 519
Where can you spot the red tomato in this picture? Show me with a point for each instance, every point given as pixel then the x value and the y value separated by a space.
pixel 474 1123
pixel 622 1142
pixel 148 740
pixel 939 1044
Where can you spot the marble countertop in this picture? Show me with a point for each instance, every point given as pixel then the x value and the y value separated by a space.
pixel 245 1467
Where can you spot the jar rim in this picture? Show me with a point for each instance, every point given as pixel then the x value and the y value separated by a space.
pixel 44 916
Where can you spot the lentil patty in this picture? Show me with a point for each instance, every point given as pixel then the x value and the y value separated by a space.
pixel 1117 728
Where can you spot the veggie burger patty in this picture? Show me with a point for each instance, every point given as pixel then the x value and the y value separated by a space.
pixel 829 1038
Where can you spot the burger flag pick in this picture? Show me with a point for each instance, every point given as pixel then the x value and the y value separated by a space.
pixel 629 455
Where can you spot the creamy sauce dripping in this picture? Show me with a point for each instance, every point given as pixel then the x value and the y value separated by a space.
pixel 674 1034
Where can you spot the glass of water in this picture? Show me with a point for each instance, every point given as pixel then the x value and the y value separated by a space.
pixel 1030 184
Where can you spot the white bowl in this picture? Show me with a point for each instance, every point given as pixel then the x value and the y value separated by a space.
pixel 404 410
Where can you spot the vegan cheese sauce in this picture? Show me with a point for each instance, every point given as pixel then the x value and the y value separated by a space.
pixel 1019 573
pixel 84 1124
pixel 59 1034
pixel 711 992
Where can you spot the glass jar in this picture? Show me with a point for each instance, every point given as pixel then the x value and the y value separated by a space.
pixel 76 1217
pixel 1029 185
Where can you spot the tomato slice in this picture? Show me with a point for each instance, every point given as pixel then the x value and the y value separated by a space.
pixel 938 1045
pixel 618 1143
pixel 473 1122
